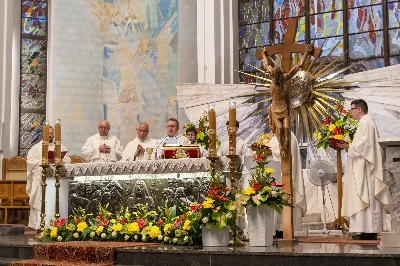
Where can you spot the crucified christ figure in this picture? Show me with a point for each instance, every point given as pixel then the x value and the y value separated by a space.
pixel 279 119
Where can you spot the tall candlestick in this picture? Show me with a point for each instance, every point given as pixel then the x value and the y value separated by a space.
pixel 57 143
pixel 232 128
pixel 212 131
pixel 45 143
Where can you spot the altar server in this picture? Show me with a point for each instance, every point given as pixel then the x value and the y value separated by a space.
pixel 34 179
pixel 136 149
pixel 364 193
pixel 298 190
pixel 102 147
pixel 191 134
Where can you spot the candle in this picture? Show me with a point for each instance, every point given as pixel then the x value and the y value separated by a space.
pixel 212 132
pixel 45 143
pixel 232 128
pixel 57 143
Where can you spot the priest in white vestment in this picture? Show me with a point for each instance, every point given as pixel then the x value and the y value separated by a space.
pixel 191 134
pixel 172 137
pixel 298 190
pixel 34 179
pixel 102 147
pixel 364 193
pixel 136 149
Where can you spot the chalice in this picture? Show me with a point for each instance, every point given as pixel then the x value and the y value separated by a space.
pixel 149 152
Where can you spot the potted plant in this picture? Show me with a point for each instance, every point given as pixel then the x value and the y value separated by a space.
pixel 217 213
pixel 262 198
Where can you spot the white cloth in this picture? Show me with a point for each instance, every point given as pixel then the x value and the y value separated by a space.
pixel 364 192
pixel 298 190
pixel 34 179
pixel 241 148
pixel 91 153
pixel 130 150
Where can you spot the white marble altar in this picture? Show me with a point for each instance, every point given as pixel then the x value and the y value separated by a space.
pixel 391 175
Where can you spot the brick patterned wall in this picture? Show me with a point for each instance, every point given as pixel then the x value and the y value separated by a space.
pixel 75 88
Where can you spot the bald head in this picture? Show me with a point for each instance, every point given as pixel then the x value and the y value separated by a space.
pixel 104 128
pixel 142 131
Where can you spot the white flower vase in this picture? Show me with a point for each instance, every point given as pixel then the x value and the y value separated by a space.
pixel 215 237
pixel 261 226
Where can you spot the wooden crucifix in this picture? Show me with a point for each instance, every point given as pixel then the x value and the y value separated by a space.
pixel 279 110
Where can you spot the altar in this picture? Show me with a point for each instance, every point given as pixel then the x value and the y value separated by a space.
pixel 127 184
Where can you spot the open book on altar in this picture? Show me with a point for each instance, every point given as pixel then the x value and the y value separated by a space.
pixel 176 151
pixel 51 155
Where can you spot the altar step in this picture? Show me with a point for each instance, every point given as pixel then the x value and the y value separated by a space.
pixel 34 262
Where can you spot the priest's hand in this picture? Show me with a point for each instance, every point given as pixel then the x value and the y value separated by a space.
pixel 343 145
pixel 104 148
pixel 139 150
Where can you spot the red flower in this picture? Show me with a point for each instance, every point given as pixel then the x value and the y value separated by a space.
pixel 255 186
pixel 258 157
pixel 337 131
pixel 62 222
pixel 99 218
pixel 198 129
pixel 105 222
pixel 123 221
pixel 218 197
pixel 160 222
pixel 273 184
pixel 224 199
pixel 141 222
pixel 326 121
pixel 77 221
pixel 195 207
pixel 177 222
pixel 339 106
pixel 345 112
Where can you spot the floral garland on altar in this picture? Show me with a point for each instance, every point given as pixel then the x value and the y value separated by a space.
pixel 164 225
pixel 202 136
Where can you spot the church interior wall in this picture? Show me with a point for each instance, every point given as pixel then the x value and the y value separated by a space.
pixel 118 60
pixel 9 77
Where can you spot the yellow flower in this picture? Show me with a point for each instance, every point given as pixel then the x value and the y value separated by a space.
pixel 99 230
pixel 208 203
pixel 53 232
pixel 133 227
pixel 269 170
pixel 249 191
pixel 338 137
pixel 81 226
pixel 117 227
pixel 166 228
pixel 186 225
pixel 113 221
pixel 154 232
pixel 319 136
pixel 332 127
pixel 217 209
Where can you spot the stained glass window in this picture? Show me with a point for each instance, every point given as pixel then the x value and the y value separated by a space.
pixel 33 66
pixel 363 29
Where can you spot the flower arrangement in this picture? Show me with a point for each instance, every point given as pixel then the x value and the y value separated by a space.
pixel 219 209
pixel 183 229
pixel 125 226
pixel 263 189
pixel 202 131
pixel 337 126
